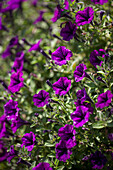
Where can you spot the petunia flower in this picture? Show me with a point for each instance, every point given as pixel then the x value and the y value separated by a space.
pixel 61 55
pixel 62 152
pixel 67 133
pixel 98 160
pixel 42 166
pixel 101 2
pixel 12 153
pixel 68 32
pixel 3 152
pixel 104 99
pixel 11 109
pixel 29 141
pixel 110 137
pixel 66 3
pixel 7 52
pixel 88 105
pixel 16 82
pixel 80 73
pixel 41 99
pixel 3 130
pixel 83 96
pixel 94 60
pixel 85 16
pixel 17 122
pixel 80 116
pixel 62 86
pixel 35 47
pixel 14 41
pixel 2 27
pixel 57 13
pixel 18 63
pixel 40 18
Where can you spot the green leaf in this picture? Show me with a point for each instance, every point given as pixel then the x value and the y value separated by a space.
pixel 110 124
pixel 49 144
pixel 61 167
pixel 33 165
pixel 100 58
pixel 98 67
pixel 99 125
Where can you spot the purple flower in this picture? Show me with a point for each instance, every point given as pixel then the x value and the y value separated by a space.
pixel 2 27
pixel 80 73
pixel 12 5
pixel 3 131
pixel 98 160
pixel 40 18
pixel 41 99
pixel 110 136
pixel 62 86
pixel 61 55
pixel 88 105
pixel 17 122
pixel 67 133
pixel 29 141
pixel 62 152
pixel 13 41
pixel 80 116
pixel 42 166
pixel 66 3
pixel 11 109
pixel 3 152
pixel 34 2
pixel 7 52
pixel 101 2
pixel 94 57
pixel 11 154
pixel 16 82
pixel 57 13
pixel 104 99
pixel 68 32
pixel 18 63
pixel 85 16
pixel 35 47
pixel 83 96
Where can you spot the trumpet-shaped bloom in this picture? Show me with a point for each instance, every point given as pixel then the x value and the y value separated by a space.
pixel 29 141
pixel 11 109
pixel 17 122
pixel 83 96
pixel 16 82
pixel 57 13
pixel 42 166
pixel 62 86
pixel 98 160
pixel 94 60
pixel 80 73
pixel 41 99
pixel 61 55
pixel 85 16
pixel 18 63
pixel 80 116
pixel 104 99
pixel 68 31
pixel 3 131
pixel 11 154
pixel 35 47
pixel 3 152
pixel 101 2
pixel 62 152
pixel 67 133
pixel 40 18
